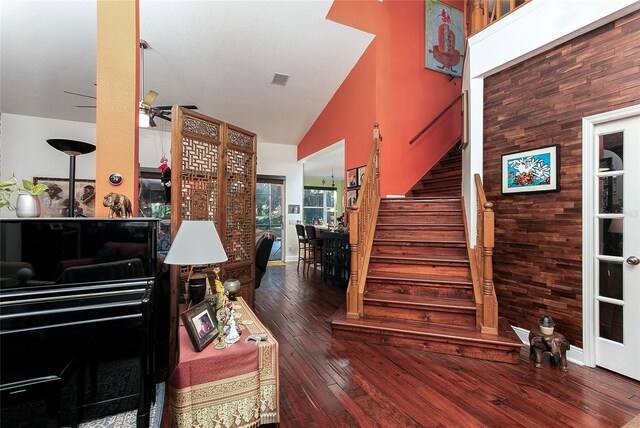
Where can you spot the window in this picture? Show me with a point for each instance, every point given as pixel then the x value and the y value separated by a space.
pixel 319 204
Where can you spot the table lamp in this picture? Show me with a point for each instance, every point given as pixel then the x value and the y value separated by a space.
pixel 197 243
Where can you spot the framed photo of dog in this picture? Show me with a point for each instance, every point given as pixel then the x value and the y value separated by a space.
pixel 54 202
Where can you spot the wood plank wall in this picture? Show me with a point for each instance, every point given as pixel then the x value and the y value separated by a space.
pixel 538 251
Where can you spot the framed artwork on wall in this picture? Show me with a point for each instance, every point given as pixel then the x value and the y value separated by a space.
pixel 361 171
pixel 444 38
pixel 54 202
pixel 531 170
pixel 352 177
pixel 352 198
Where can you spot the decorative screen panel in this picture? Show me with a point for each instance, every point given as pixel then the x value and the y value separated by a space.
pixel 199 187
pixel 240 227
pixel 216 179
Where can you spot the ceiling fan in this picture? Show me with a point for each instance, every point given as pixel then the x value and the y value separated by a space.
pixel 147 113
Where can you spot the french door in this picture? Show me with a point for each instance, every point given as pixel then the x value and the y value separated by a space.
pixel 615 174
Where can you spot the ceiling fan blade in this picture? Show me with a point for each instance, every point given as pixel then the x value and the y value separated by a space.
pixel 163 115
pixel 148 99
pixel 85 106
pixel 152 123
pixel 80 95
pixel 189 106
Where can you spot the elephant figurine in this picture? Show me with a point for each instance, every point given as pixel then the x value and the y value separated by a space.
pixel 554 343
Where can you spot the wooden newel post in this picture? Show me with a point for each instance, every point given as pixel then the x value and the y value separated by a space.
pixel 352 298
pixel 489 300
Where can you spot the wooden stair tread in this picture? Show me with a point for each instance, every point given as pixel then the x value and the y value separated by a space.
pixel 420 301
pixel 418 277
pixel 421 199
pixel 409 241
pixel 443 332
pixel 424 211
pixel 417 258
pixel 438 225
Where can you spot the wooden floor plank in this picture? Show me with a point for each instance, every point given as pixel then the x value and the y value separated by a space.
pixel 329 382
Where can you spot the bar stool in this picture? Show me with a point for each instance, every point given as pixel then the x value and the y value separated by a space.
pixel 315 247
pixel 303 245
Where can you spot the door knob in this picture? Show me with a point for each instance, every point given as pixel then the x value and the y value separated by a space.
pixel 633 260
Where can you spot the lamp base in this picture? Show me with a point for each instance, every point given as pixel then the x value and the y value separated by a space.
pixel 197 288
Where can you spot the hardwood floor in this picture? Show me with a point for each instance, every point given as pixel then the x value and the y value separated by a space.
pixel 326 382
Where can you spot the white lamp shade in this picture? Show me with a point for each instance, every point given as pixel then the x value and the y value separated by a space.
pixel 196 243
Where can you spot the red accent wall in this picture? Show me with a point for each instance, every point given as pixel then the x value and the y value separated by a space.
pixel 389 85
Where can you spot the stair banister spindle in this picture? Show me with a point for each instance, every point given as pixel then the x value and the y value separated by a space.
pixel 362 217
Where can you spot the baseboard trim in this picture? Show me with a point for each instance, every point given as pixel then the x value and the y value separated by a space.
pixel 575 355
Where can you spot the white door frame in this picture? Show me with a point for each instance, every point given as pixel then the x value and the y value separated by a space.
pixel 588 208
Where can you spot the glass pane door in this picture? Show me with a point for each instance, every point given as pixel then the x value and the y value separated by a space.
pixel 269 211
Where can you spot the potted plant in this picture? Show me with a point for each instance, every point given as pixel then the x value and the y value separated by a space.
pixel 28 202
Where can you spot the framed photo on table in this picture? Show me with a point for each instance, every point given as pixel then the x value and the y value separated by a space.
pixel 352 177
pixel 531 171
pixel 54 202
pixel 201 324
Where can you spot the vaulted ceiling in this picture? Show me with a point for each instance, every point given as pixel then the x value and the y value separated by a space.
pixel 219 55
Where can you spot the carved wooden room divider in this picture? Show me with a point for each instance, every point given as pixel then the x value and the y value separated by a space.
pixel 213 177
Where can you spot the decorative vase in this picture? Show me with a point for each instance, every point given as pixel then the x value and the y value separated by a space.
pixel 28 206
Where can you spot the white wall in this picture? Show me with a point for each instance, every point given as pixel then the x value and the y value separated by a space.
pixel 281 160
pixel 25 152
pixel 533 28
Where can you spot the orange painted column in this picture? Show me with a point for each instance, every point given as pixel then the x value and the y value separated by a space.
pixel 118 64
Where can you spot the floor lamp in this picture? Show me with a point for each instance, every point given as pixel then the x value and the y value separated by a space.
pixel 72 148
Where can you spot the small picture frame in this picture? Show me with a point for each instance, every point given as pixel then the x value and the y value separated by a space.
pixel 531 170
pixel 352 177
pixel 352 198
pixel 293 209
pixel 201 324
pixel 361 171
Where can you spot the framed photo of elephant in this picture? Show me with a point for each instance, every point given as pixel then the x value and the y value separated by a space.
pixel 444 38
pixel 54 202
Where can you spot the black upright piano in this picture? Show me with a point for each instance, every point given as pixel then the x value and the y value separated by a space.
pixel 76 318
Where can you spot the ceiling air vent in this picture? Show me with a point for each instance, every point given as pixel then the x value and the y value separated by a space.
pixel 279 79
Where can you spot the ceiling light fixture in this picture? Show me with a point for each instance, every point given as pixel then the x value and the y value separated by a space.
pixel 143 117
pixel 144 121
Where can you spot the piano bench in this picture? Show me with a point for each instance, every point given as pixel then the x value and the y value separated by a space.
pixel 43 380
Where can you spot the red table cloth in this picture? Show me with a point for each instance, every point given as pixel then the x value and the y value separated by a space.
pixel 232 387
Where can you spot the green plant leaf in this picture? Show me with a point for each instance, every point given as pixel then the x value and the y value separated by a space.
pixel 38 189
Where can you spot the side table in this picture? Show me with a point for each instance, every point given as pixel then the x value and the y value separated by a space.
pixel 231 387
pixel 555 343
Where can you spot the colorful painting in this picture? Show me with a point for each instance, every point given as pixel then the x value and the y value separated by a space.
pixel 352 177
pixel 531 171
pixel 54 202
pixel 444 38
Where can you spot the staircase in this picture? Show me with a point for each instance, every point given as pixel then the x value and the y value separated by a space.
pixel 419 291
pixel 443 179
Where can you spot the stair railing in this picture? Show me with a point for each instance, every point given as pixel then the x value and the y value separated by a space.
pixel 435 119
pixel 483 262
pixel 485 12
pixel 362 219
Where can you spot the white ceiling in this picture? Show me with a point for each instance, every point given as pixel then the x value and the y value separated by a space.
pixel 219 55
